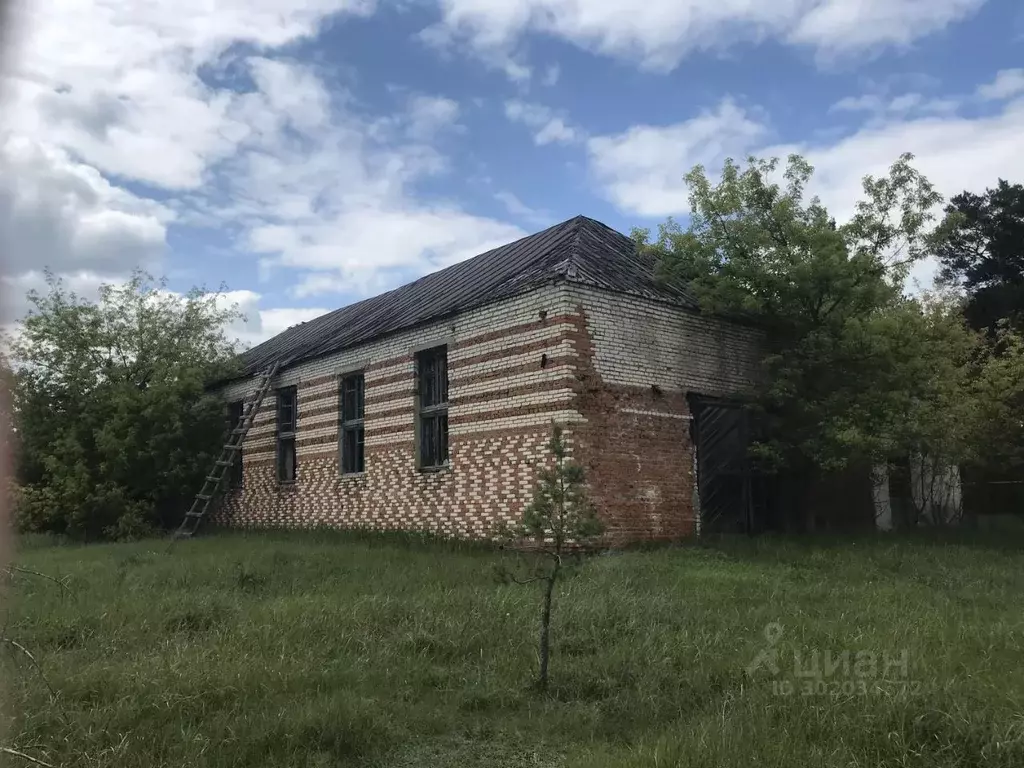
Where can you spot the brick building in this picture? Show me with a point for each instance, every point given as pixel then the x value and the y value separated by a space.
pixel 429 407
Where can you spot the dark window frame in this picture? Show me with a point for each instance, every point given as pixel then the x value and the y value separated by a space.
pixel 351 424
pixel 286 432
pixel 432 449
pixel 235 472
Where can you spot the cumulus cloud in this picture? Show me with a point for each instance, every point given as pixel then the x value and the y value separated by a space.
pixel 641 170
pixel 520 210
pixel 660 33
pixel 884 107
pixel 125 120
pixel 59 213
pixel 258 325
pixel 102 93
pixel 846 26
pixel 16 288
pixel 429 115
pixel 328 194
pixel 118 84
pixel 366 250
pixel 547 125
pixel 254 326
pixel 1008 83
pixel 112 136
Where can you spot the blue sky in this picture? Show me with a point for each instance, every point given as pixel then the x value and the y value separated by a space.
pixel 314 152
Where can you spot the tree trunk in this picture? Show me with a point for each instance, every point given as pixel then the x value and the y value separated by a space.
pixel 545 629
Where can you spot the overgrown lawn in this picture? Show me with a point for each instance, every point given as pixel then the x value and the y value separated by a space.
pixel 330 650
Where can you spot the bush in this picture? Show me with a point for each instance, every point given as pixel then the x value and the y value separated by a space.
pixel 116 430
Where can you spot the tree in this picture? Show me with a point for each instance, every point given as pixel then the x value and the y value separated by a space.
pixel 999 389
pixel 115 427
pixel 855 371
pixel 980 245
pixel 828 296
pixel 557 523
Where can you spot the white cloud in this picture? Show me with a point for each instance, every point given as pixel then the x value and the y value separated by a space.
pixel 868 102
pixel 287 94
pixel 519 209
pixel 430 114
pixel 551 75
pixel 364 250
pixel 548 126
pixel 444 39
pixel 117 82
pixel 660 33
pixel 259 325
pixel 273 321
pixel 15 289
pixel 59 213
pixel 955 153
pixel 107 92
pixel 331 197
pixel 1008 83
pixel 641 170
pixel 845 26
pixel 102 91
pixel 884 107
pixel 555 131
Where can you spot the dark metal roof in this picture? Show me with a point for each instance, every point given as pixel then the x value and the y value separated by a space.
pixel 580 250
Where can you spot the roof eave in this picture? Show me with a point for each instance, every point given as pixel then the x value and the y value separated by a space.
pixel 526 288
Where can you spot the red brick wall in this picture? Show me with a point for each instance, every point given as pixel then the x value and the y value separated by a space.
pixel 635 445
pixel 511 373
pixel 613 369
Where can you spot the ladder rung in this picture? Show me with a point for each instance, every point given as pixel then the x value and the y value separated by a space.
pixel 250 407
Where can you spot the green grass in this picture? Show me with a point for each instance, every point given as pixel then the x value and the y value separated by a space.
pixel 330 650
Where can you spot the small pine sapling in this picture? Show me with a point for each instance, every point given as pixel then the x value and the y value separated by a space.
pixel 558 522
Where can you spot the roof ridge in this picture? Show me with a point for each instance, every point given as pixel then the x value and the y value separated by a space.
pixel 572 271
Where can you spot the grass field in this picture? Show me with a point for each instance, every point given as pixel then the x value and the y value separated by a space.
pixel 320 650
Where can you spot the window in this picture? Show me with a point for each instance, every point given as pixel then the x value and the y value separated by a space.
pixel 432 388
pixel 287 401
pixel 235 470
pixel 350 432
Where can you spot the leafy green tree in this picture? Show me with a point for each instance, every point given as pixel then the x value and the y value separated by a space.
pixel 115 428
pixel 855 370
pixel 999 390
pixel 980 245
pixel 829 297
pixel 555 526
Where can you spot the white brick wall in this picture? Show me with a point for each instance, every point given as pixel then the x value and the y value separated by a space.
pixel 639 342
pixel 493 454
pixel 498 430
pixel 552 299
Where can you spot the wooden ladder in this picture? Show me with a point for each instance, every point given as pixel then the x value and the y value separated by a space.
pixel 228 455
